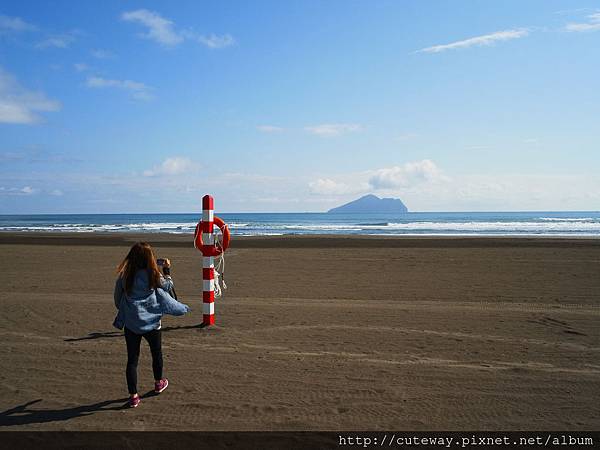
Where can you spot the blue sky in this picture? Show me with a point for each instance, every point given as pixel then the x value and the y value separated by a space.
pixel 298 106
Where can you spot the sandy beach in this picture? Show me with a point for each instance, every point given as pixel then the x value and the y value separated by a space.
pixel 313 333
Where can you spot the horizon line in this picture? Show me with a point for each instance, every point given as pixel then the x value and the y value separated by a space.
pixel 304 212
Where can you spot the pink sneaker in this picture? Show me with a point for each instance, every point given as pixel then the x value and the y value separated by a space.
pixel 134 401
pixel 160 385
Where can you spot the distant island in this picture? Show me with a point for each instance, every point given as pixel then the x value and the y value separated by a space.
pixel 371 204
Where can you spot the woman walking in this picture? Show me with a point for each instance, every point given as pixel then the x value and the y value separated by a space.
pixel 142 297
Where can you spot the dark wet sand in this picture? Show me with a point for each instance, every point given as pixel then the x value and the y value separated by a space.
pixel 325 333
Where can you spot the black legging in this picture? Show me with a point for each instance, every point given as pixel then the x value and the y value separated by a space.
pixel 133 352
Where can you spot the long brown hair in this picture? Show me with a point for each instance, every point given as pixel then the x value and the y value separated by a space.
pixel 140 257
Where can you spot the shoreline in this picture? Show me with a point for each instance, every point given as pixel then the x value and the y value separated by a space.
pixel 296 241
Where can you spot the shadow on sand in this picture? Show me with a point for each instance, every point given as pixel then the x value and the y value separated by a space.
pixel 116 334
pixel 23 415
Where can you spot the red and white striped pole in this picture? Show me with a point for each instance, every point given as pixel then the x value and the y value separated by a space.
pixel 208 261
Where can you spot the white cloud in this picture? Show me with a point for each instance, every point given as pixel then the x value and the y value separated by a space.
pixel 406 175
pixel 214 41
pixel 163 31
pixel 58 40
pixel 424 186
pixel 176 165
pixel 27 190
pixel 269 129
pixel 333 129
pixel 389 180
pixel 138 90
pixel 123 84
pixel 159 29
pixel 211 41
pixel 593 24
pixel 102 54
pixel 19 105
pixel 512 192
pixel 327 186
pixel 239 192
pixel 487 39
pixel 35 155
pixel 56 192
pixel 572 11
pixel 14 24
pixel 81 67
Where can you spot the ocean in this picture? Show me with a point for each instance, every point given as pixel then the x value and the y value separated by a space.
pixel 584 224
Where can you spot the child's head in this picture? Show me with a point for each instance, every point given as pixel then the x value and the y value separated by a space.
pixel 140 257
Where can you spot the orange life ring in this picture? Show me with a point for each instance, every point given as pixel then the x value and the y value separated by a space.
pixel 220 247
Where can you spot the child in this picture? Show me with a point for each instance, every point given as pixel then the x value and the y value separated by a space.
pixel 142 297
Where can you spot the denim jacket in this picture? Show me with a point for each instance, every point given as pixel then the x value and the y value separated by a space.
pixel 141 310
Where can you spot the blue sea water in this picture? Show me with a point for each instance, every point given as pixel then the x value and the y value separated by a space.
pixel 253 224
